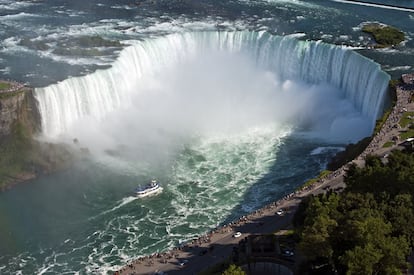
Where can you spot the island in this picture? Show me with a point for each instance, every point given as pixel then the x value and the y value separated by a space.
pixel 385 36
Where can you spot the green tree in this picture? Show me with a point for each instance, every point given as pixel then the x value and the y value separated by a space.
pixel 384 258
pixel 316 238
pixel 319 225
pixel 368 228
pixel 361 260
pixel 394 250
pixel 400 212
pixel 234 270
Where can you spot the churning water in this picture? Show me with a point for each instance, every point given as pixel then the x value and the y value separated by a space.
pixel 212 100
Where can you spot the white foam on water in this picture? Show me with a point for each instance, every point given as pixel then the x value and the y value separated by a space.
pixel 297 35
pixel 15 5
pixel 381 6
pixel 397 68
pixel 322 150
pixel 288 3
pixel 120 204
pixel 17 16
pixel 221 169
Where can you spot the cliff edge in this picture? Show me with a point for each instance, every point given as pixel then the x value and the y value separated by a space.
pixel 22 156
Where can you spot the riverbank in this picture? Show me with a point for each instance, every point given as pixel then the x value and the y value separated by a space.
pixel 192 258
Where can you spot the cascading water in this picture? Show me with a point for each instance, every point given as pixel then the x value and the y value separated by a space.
pixel 359 79
pixel 223 102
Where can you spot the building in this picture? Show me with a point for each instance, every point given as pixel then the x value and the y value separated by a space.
pixel 266 254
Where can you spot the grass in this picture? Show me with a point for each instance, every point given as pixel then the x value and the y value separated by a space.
pixel 384 35
pixel 407 134
pixel 406 119
pixel 388 144
pixel 312 181
pixel 10 94
pixel 380 122
pixel 4 86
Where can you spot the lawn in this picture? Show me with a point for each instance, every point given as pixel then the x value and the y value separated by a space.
pixel 388 144
pixel 407 134
pixel 406 119
pixel 4 86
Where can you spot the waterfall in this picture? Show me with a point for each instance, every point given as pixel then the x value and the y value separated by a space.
pixel 359 79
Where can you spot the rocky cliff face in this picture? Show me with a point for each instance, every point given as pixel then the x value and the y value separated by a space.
pixel 18 107
pixel 21 156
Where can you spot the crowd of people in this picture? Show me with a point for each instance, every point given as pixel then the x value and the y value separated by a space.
pixel 404 97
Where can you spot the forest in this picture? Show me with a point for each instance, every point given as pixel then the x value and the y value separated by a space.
pixel 366 229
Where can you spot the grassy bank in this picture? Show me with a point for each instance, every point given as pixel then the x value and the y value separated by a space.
pixel 312 181
pixel 4 86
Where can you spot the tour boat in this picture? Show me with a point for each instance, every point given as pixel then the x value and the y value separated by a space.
pixel 150 189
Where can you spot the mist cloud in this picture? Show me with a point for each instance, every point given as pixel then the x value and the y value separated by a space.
pixel 216 93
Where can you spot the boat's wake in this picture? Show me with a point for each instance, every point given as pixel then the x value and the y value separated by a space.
pixel 120 203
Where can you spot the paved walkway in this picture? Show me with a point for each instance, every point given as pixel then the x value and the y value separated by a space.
pixel 214 247
pixel 390 130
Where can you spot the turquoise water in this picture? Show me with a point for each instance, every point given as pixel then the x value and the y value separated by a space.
pixel 86 219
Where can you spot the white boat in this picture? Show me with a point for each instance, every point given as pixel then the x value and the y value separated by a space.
pixel 150 189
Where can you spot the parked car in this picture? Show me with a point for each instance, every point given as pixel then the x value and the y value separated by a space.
pixel 288 253
pixel 182 262
pixel 237 234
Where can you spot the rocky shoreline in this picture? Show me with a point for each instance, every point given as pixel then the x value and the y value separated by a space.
pixel 170 260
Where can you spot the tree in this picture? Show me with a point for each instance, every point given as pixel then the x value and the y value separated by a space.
pixel 361 260
pixel 319 225
pixel 234 270
pixel 400 212
pixel 368 228
pixel 316 238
